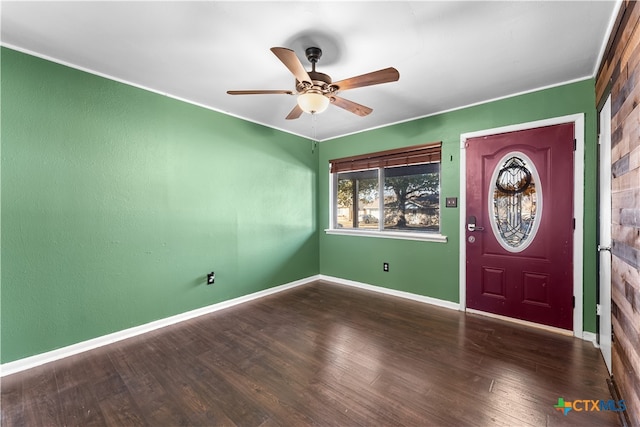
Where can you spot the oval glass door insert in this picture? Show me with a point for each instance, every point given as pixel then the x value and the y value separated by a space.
pixel 515 202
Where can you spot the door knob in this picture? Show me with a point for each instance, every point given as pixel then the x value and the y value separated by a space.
pixel 471 224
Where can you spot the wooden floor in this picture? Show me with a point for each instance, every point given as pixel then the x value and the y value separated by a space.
pixel 322 355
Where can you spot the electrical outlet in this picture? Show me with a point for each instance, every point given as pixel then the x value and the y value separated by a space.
pixel 211 277
pixel 385 266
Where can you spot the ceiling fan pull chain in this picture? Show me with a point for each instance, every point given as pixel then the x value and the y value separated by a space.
pixel 314 141
pixel 314 121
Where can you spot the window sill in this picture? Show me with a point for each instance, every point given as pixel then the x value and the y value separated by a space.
pixel 425 237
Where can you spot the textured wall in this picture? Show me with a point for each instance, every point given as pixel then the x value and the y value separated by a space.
pixel 619 75
pixel 117 201
pixel 429 268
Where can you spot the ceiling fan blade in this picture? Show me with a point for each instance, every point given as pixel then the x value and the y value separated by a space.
pixel 291 61
pixel 374 78
pixel 351 106
pixel 295 113
pixel 259 92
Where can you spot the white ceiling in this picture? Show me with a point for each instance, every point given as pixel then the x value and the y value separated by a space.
pixel 449 54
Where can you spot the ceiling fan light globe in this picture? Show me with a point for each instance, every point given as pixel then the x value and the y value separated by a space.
pixel 312 102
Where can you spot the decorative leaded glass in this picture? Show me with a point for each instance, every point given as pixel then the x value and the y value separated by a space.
pixel 515 201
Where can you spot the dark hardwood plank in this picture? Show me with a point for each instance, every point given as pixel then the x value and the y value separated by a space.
pixel 320 354
pixel 178 373
pixel 160 407
pixel 79 407
pixel 41 405
pixel 12 401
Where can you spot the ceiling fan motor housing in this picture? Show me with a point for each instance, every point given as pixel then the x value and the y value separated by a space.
pixel 319 81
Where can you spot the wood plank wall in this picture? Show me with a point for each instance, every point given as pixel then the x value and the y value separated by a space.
pixel 619 75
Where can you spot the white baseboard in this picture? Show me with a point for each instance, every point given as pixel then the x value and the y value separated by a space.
pixel 50 356
pixel 393 292
pixel 592 337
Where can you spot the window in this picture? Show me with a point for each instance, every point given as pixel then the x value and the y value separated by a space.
pixel 515 202
pixel 388 192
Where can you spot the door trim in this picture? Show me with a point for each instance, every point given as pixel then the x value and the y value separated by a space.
pixel 578 207
pixel 603 287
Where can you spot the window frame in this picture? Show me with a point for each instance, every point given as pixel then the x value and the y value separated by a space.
pixel 380 160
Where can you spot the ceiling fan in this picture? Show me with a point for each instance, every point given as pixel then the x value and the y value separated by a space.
pixel 315 90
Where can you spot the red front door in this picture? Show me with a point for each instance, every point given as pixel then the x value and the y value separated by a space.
pixel 519 236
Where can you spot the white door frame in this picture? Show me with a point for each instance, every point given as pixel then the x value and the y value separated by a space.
pixel 604 238
pixel 578 207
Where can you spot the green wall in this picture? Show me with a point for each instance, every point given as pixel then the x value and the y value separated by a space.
pixel 117 201
pixel 430 268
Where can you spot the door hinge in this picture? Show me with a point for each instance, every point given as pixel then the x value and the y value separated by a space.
pixel 574 223
pixel 598 310
pixel 575 144
pixel 573 301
